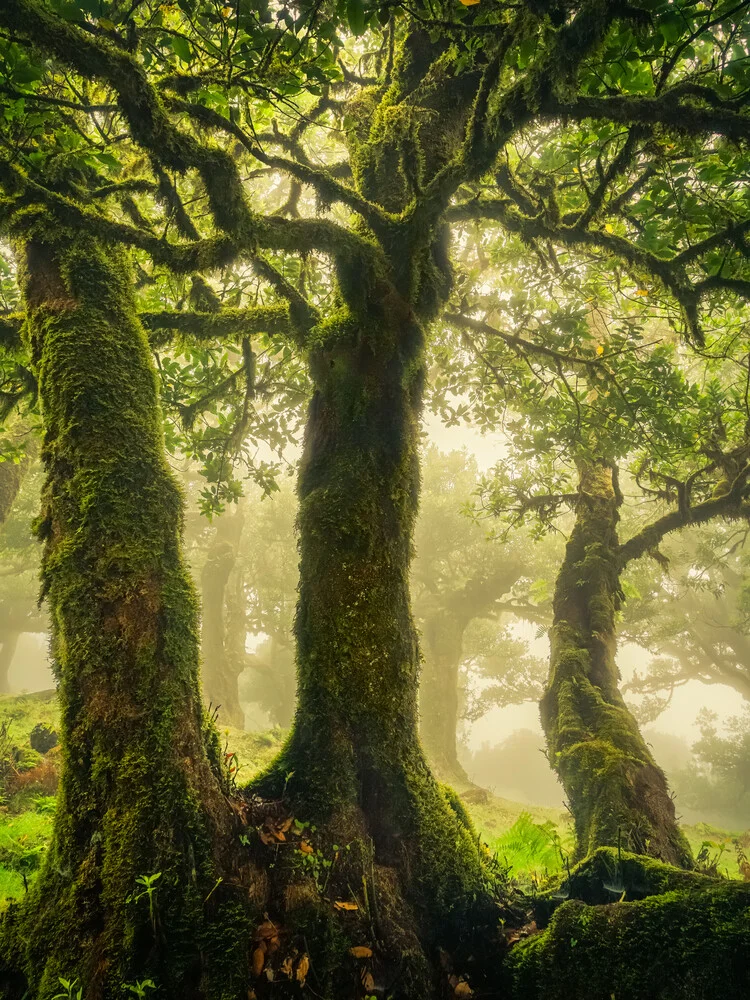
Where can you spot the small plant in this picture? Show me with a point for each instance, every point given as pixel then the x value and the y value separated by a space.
pixel 707 863
pixel 148 882
pixel 70 991
pixel 139 988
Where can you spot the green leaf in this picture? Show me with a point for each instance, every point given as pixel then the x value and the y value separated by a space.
pixel 355 15
pixel 182 48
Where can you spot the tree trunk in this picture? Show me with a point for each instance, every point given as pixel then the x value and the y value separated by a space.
pixel 140 796
pixel 438 696
pixel 9 642
pixel 354 746
pixel 614 787
pixel 221 665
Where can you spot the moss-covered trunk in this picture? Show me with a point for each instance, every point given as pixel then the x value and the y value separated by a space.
pixel 438 694
pixel 354 746
pixel 141 819
pixel 614 787
pixel 222 665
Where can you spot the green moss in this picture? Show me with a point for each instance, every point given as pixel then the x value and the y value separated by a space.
pixel 354 748
pixel 617 793
pixel 688 944
pixel 138 795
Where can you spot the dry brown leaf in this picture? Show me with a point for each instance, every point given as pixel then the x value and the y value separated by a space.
pixel 361 951
pixel 303 967
pixel 341 904
pixel 259 960
pixel 267 836
pixel 266 930
pixel 306 848
pixel 274 944
pixel 285 826
pixel 463 989
pixel 368 982
pixel 251 995
pixel 286 966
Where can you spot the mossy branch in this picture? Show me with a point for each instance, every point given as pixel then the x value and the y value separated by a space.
pixel 673 110
pixel 733 505
pixel 150 127
pixel 201 326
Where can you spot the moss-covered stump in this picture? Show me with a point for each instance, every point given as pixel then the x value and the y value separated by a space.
pixel 691 944
pixel 616 791
pixel 143 830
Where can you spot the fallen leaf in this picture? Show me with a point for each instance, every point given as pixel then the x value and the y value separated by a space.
pixel 368 982
pixel 286 966
pixel 340 904
pixel 463 989
pixel 259 960
pixel 306 848
pixel 469 3
pixel 274 944
pixel 303 967
pixel 361 951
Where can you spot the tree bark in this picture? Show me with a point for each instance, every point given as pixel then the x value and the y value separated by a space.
pixel 614 787
pixel 222 665
pixel 354 745
pixel 139 792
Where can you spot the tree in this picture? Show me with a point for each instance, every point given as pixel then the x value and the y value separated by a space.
pixel 19 572
pixel 461 576
pixel 634 404
pixel 693 619
pixel 425 146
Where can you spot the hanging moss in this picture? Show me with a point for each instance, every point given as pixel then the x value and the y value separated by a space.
pixel 139 792
pixel 616 791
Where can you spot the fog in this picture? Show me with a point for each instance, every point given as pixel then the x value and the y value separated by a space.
pixel 502 747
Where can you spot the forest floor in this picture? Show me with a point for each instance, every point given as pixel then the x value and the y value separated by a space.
pixel 531 841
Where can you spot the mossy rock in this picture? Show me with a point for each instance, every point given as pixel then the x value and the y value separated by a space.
pixel 607 876
pixel 691 942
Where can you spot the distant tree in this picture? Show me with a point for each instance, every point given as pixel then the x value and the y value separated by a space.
pixel 606 395
pixel 694 618
pixel 463 581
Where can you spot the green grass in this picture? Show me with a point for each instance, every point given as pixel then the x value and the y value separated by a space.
pixel 531 841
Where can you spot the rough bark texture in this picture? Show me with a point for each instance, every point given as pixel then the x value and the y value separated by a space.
pixel 222 665
pixel 139 791
pixel 354 747
pixel 614 787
